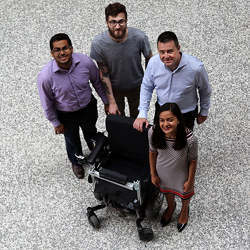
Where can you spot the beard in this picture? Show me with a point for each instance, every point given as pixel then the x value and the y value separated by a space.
pixel 120 35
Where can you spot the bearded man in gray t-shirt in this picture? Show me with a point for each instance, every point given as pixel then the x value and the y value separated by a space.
pixel 117 52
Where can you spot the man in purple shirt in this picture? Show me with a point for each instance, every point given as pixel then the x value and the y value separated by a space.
pixel 66 96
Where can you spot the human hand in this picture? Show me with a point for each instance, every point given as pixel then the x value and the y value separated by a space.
pixel 113 109
pixel 155 180
pixel 106 108
pixel 188 187
pixel 59 129
pixel 138 123
pixel 200 119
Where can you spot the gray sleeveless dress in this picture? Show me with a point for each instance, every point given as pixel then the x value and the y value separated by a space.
pixel 172 165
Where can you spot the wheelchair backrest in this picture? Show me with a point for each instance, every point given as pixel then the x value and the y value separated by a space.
pixel 125 141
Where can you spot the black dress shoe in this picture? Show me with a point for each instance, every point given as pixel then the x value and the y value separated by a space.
pixel 78 171
pixel 165 222
pixel 180 226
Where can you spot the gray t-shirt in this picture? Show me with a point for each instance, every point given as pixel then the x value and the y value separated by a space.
pixel 122 59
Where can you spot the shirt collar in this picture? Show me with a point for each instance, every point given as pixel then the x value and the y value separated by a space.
pixel 56 68
pixel 182 63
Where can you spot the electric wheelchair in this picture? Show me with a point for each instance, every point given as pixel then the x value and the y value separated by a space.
pixel 119 170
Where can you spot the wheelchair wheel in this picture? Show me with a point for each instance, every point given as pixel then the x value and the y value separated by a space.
pixel 94 221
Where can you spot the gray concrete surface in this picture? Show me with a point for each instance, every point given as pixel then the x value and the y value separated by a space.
pixel 42 205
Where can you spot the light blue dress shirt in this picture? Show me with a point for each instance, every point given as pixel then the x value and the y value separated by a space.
pixel 185 85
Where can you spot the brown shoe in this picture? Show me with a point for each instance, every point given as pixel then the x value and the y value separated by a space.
pixel 78 171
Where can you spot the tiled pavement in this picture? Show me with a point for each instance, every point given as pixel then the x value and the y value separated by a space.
pixel 42 205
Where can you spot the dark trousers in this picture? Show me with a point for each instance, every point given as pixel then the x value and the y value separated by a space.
pixel 86 119
pixel 188 117
pixel 133 97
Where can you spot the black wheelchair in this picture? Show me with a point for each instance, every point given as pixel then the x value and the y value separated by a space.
pixel 120 172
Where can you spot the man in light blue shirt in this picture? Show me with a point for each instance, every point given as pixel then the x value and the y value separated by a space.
pixel 178 78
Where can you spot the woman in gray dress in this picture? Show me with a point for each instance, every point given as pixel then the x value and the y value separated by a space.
pixel 173 159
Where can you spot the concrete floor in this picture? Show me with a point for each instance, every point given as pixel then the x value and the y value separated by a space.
pixel 42 204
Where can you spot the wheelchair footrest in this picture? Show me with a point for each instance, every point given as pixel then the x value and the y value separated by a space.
pixel 145 234
pixel 113 176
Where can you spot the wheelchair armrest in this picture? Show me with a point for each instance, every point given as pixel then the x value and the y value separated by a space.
pixel 101 140
pixel 113 176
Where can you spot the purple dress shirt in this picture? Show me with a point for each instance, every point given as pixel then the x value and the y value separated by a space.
pixel 68 90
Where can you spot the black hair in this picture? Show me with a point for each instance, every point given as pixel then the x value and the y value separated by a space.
pixel 168 36
pixel 158 136
pixel 114 9
pixel 59 37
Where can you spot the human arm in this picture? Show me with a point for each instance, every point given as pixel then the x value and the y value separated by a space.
pixel 146 49
pixel 189 184
pixel 204 89
pixel 147 88
pixel 47 98
pixel 147 59
pixel 192 144
pixel 96 52
pixel 152 159
pixel 96 82
pixel 104 76
pixel 152 162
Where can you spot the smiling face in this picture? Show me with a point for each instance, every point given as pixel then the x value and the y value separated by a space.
pixel 168 123
pixel 62 53
pixel 169 54
pixel 117 26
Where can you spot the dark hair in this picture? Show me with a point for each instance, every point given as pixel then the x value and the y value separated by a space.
pixel 168 36
pixel 59 37
pixel 158 137
pixel 114 9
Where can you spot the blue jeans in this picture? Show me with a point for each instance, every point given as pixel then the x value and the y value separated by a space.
pixel 86 120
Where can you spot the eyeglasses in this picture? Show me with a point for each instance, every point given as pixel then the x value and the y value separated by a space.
pixel 120 22
pixel 64 49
